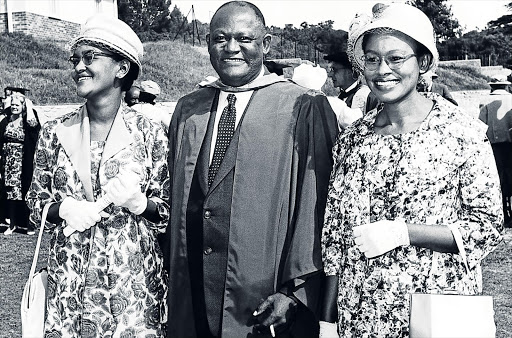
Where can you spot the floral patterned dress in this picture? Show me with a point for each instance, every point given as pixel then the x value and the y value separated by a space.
pixel 114 286
pixel 441 173
pixel 13 154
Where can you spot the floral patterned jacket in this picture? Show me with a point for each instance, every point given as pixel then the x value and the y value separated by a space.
pixel 114 285
pixel 442 173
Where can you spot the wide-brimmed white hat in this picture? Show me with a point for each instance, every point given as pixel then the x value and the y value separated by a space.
pixel 499 79
pixel 397 16
pixel 113 34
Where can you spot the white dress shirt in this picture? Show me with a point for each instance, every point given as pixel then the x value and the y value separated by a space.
pixel 242 100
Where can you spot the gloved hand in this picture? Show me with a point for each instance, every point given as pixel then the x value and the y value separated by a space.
pixel 276 313
pixel 328 330
pixel 124 191
pixel 80 215
pixel 375 239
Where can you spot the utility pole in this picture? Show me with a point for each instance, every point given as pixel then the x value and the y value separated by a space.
pixel 195 28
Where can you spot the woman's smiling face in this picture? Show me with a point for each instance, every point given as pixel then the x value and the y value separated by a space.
pixel 392 82
pixel 96 77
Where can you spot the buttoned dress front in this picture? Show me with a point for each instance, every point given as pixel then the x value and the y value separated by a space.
pixel 441 173
pixel 114 285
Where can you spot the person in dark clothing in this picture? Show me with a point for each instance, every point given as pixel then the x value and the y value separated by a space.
pixel 19 130
pixel 353 91
pixel 428 85
pixel 249 161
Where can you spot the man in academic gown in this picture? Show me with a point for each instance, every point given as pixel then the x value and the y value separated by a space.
pixel 243 237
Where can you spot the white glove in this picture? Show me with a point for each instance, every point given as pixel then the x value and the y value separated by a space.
pixel 309 76
pixel 124 191
pixel 80 215
pixel 328 330
pixel 375 239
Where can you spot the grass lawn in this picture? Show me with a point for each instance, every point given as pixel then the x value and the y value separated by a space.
pixel 16 252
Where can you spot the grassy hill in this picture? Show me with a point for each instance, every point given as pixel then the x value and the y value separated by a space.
pixel 42 67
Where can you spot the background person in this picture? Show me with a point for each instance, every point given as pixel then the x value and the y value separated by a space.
pixel 409 178
pixel 354 94
pixel 18 137
pixel 249 160
pixel 106 278
pixel 428 85
pixel 146 105
pixel 132 96
pixel 496 112
pixel 353 91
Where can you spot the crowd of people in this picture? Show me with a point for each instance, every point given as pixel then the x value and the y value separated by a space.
pixel 263 207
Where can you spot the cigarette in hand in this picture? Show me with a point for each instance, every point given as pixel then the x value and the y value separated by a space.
pixel 102 203
pixel 272 331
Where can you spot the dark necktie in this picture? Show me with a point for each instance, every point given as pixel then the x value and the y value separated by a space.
pixel 225 132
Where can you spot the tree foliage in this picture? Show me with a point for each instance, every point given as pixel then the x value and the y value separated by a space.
pixel 446 26
pixel 493 45
pixel 143 15
pixel 307 41
pixel 153 20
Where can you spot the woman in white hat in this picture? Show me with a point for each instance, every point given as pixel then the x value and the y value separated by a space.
pixel 414 182
pixel 105 270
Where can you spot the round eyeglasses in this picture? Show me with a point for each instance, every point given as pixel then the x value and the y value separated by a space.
pixel 394 61
pixel 87 58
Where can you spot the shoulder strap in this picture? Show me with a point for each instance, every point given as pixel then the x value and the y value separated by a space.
pixel 38 245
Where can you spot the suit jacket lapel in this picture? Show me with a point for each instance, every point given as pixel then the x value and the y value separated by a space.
pixel 74 134
pixel 118 139
pixel 228 162
pixel 195 130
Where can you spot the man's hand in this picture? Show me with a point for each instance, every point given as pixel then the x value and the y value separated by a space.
pixel 375 239
pixel 278 311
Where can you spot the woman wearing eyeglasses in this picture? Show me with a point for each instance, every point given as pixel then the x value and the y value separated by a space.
pixel 102 171
pixel 414 186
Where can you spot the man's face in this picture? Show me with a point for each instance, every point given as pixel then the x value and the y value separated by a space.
pixel 132 96
pixel 237 44
pixel 341 76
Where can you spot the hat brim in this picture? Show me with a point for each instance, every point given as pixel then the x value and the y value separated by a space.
pixel 81 39
pixel 411 18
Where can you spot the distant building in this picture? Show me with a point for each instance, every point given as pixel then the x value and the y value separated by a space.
pixel 51 19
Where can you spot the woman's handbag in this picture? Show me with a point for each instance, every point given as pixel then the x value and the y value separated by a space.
pixel 449 316
pixel 452 315
pixel 33 301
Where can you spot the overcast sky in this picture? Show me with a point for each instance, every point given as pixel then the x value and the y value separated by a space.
pixel 471 14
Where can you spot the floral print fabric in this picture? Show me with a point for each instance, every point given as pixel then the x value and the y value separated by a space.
pixel 442 173
pixel 116 285
pixel 13 155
